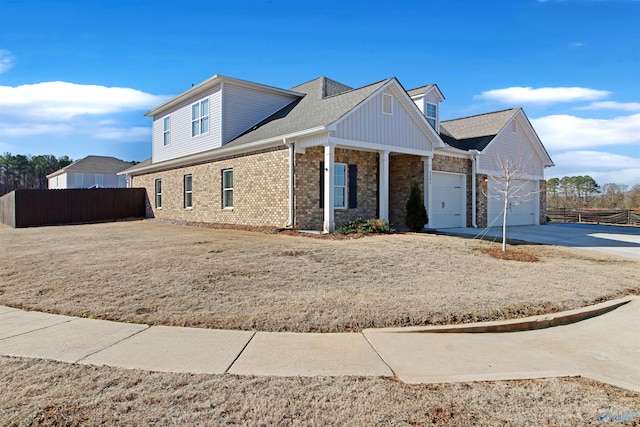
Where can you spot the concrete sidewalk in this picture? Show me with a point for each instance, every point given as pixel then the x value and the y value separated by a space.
pixel 415 355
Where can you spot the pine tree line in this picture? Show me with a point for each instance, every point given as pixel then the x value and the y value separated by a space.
pixel 28 172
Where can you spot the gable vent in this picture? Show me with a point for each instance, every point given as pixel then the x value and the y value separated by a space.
pixel 387 103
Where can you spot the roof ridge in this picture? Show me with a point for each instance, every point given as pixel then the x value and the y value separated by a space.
pixel 480 114
pixel 359 88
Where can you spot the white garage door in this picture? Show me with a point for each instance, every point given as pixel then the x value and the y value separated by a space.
pixel 522 208
pixel 448 207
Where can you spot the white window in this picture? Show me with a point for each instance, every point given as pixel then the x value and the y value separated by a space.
pixel 227 188
pixel 514 126
pixel 432 114
pixel 100 180
pixel 79 179
pixel 122 181
pixel 387 103
pixel 188 193
pixel 167 130
pixel 200 117
pixel 158 193
pixel 340 186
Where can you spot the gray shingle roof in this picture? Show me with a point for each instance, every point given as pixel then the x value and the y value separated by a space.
pixel 95 164
pixel 475 132
pixel 419 90
pixel 316 108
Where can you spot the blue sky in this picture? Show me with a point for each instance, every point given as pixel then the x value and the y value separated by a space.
pixel 77 76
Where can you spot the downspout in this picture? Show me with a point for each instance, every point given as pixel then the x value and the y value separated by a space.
pixel 292 153
pixel 474 169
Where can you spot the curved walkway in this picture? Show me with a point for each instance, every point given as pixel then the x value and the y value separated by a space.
pixel 605 346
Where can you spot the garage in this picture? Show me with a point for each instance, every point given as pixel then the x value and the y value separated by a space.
pixel 448 201
pixel 523 205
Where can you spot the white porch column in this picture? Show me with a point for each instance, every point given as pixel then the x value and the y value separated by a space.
pixel 329 210
pixel 428 166
pixel 384 185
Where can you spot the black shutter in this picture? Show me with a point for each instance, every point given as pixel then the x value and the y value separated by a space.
pixel 353 186
pixel 322 184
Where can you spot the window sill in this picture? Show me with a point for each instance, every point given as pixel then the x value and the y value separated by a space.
pixel 230 208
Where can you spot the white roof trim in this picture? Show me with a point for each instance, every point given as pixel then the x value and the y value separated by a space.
pixel 218 152
pixel 200 88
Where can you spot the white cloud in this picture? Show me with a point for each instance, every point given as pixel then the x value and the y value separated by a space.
pixel 5 146
pixel 6 60
pixel 17 130
pixel 62 101
pixel 597 160
pixel 576 44
pixel 123 134
pixel 565 132
pixel 544 95
pixel 613 105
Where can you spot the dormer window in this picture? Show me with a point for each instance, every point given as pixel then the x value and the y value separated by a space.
pixel 432 114
pixel 200 117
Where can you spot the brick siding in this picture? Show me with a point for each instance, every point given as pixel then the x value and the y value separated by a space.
pixel 543 201
pixel 308 213
pixel 404 170
pixel 260 190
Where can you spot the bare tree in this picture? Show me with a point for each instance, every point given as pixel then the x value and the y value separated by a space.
pixel 511 188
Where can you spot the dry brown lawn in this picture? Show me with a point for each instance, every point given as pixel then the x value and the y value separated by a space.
pixel 45 393
pixel 159 273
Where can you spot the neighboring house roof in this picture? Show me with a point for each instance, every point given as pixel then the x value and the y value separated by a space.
pixel 325 101
pixel 475 132
pixel 93 164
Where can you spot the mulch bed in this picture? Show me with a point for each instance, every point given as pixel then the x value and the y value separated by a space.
pixel 510 255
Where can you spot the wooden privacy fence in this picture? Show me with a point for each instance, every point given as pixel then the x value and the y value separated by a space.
pixel 33 208
pixel 597 216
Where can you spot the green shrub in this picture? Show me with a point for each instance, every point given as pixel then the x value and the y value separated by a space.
pixel 360 225
pixel 415 212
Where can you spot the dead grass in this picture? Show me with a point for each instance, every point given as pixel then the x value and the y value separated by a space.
pixel 158 273
pixel 46 393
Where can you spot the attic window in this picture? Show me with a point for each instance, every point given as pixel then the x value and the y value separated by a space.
pixel 387 103
pixel 432 114
pixel 514 127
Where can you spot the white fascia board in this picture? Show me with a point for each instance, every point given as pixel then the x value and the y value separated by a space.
pixel 211 82
pixel 453 152
pixel 56 173
pixel 221 152
pixel 531 134
pixel 370 146
pixel 539 146
pixel 435 87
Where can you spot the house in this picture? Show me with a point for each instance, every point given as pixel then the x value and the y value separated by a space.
pixel 92 171
pixel 323 153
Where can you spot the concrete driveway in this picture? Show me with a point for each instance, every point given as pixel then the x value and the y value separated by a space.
pixel 622 241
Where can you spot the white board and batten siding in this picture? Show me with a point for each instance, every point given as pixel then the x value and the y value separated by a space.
pixel 368 123
pixel 182 143
pixel 243 107
pixel 515 146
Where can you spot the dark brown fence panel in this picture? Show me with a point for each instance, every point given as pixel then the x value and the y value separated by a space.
pixel 610 216
pixel 32 208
